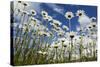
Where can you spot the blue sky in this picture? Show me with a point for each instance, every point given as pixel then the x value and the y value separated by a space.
pixel 57 11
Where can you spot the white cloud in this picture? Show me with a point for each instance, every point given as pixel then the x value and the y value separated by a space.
pixel 84 20
pixel 56 8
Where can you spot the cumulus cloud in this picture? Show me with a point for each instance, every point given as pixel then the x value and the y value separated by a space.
pixel 56 8
pixel 84 20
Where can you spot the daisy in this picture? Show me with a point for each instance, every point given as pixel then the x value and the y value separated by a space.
pixel 90 26
pixel 56 28
pixel 50 18
pixel 93 18
pixel 33 12
pixel 65 27
pixel 80 13
pixel 33 22
pixel 72 34
pixel 55 46
pixel 57 23
pixel 60 33
pixel 33 19
pixel 69 15
pixel 94 24
pixel 25 12
pixel 44 33
pixel 45 18
pixel 44 13
pixel 40 52
pixel 25 4
pixel 64 45
pixel 19 1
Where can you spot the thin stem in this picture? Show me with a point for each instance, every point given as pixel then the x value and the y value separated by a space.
pixel 69 25
pixel 56 56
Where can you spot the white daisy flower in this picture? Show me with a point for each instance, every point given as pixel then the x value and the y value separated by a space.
pixel 41 32
pixel 72 34
pixel 50 18
pixel 93 24
pixel 93 18
pixel 60 33
pixel 62 39
pixel 25 4
pixel 80 13
pixel 40 52
pixel 25 12
pixel 57 23
pixel 44 33
pixel 33 12
pixel 57 28
pixel 33 22
pixel 64 45
pixel 33 19
pixel 45 17
pixel 52 24
pixel 44 13
pixel 69 15
pixel 19 1
pixel 56 46
pixel 90 26
pixel 65 27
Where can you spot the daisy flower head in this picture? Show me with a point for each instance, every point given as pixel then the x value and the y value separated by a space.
pixel 43 33
pixel 44 13
pixel 25 12
pixel 62 39
pixel 61 33
pixel 80 13
pixel 69 15
pixel 25 4
pixel 19 1
pixel 94 24
pixel 57 23
pixel 64 45
pixel 40 52
pixel 56 45
pixel 33 19
pixel 65 27
pixel 33 12
pixel 90 26
pixel 50 18
pixel 93 19
pixel 72 34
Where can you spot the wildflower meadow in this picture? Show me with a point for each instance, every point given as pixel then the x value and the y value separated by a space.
pixel 50 33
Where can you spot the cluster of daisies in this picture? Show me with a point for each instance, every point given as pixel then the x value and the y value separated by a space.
pixel 53 38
